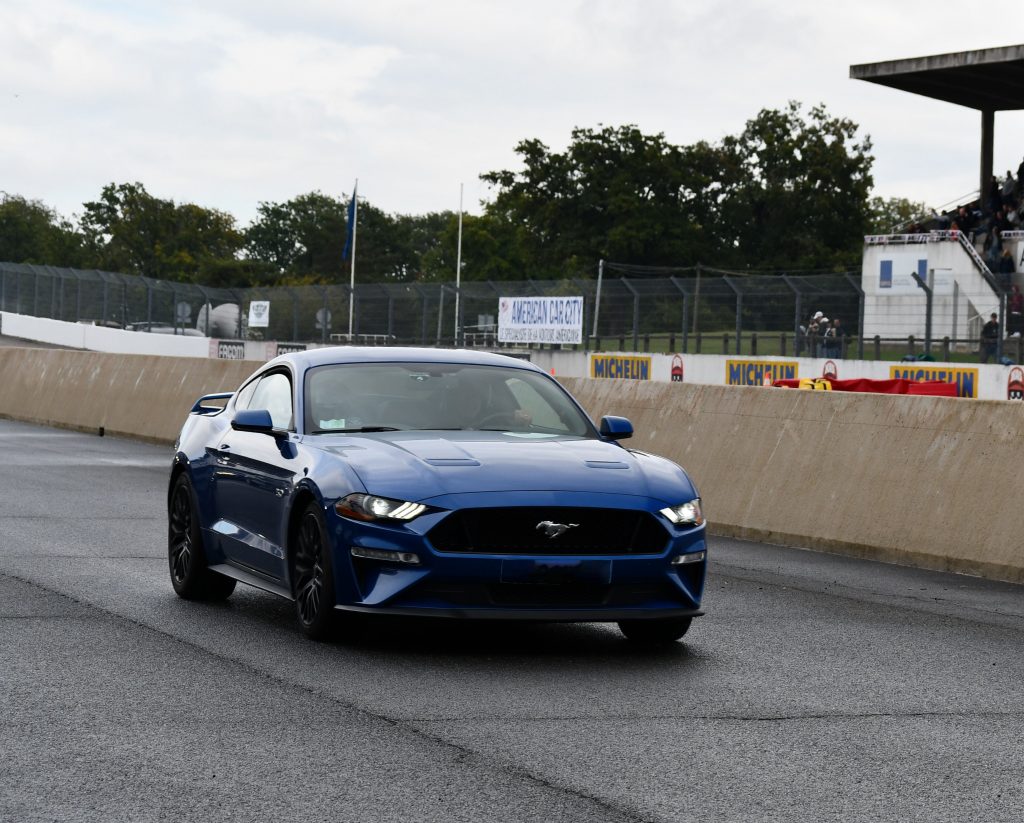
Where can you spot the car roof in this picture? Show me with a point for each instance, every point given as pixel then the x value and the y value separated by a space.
pixel 397 354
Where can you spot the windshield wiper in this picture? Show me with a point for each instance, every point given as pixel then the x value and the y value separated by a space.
pixel 358 430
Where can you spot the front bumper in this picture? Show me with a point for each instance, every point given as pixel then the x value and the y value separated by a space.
pixel 514 587
pixel 569 615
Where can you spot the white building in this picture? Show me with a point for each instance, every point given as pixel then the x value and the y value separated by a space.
pixel 965 291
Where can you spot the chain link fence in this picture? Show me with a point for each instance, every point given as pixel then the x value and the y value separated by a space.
pixel 697 310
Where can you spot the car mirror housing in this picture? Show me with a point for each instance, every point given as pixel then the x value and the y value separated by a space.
pixel 616 428
pixel 254 420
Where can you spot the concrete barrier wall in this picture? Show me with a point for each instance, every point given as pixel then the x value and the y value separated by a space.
pixel 145 396
pixel 931 482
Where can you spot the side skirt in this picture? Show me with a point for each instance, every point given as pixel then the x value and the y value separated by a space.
pixel 252 578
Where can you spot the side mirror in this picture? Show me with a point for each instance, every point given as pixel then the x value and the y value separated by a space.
pixel 616 428
pixel 254 420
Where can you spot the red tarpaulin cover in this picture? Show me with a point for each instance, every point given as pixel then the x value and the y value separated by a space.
pixel 936 388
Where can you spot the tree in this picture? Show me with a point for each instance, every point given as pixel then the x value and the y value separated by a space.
pixel 796 189
pixel 491 250
pixel 614 193
pixel 30 232
pixel 789 191
pixel 129 230
pixel 892 215
pixel 301 237
pixel 305 237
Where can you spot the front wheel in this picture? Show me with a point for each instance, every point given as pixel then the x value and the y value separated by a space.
pixel 313 575
pixel 190 577
pixel 655 632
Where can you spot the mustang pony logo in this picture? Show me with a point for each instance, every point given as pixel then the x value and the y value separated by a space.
pixel 553 530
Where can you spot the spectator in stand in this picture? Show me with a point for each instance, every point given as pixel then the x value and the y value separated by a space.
pixel 965 220
pixel 1006 269
pixel 1020 179
pixel 989 338
pixel 995 196
pixel 994 239
pixel 1006 192
pixel 1015 323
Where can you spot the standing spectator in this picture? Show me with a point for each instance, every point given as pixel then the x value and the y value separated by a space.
pixel 1006 192
pixel 823 330
pixel 813 334
pixel 995 197
pixel 835 340
pixel 1006 269
pixel 1015 323
pixel 965 220
pixel 989 338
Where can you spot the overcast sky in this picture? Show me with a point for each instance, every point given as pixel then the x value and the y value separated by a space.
pixel 227 103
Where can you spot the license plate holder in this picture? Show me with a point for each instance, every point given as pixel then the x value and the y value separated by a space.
pixel 555 571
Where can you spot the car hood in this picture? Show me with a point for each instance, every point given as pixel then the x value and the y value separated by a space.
pixel 421 465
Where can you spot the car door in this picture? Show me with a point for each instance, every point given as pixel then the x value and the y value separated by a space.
pixel 254 477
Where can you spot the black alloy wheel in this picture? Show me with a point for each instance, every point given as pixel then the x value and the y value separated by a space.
pixel 655 632
pixel 186 559
pixel 312 575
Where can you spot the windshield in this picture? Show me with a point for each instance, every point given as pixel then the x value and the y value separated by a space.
pixel 440 396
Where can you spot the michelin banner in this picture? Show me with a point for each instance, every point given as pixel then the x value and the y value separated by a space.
pixel 540 320
pixel 979 381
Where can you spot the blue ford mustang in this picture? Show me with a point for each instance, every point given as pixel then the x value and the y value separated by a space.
pixel 430 482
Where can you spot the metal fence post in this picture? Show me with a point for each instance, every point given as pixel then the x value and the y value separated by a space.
pixel 685 327
pixel 636 311
pixel 860 317
pixel 739 312
pixel 921 284
pixel 295 313
pixel 797 314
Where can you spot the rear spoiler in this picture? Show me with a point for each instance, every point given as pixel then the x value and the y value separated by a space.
pixel 201 408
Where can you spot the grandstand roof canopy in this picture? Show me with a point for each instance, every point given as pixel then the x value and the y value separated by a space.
pixel 987 79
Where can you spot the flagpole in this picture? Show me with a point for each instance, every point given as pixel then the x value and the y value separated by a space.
pixel 458 270
pixel 352 276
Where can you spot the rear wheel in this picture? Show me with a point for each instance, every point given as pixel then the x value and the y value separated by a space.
pixel 313 575
pixel 655 632
pixel 186 559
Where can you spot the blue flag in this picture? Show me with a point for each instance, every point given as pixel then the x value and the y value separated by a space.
pixel 351 223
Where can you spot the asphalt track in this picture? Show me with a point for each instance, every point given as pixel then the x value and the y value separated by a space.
pixel 816 688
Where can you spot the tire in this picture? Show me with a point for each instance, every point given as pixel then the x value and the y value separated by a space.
pixel 655 632
pixel 186 559
pixel 313 576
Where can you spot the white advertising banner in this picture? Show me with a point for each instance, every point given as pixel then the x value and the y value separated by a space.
pixel 540 320
pixel 259 314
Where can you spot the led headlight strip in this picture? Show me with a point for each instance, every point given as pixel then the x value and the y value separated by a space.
pixel 372 507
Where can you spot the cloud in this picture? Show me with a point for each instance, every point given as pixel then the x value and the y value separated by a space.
pixel 231 102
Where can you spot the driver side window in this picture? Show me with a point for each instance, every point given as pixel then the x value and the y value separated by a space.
pixel 274 393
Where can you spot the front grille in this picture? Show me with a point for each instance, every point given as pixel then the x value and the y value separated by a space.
pixel 515 531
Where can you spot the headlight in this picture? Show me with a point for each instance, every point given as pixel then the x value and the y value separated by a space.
pixel 685 514
pixel 371 507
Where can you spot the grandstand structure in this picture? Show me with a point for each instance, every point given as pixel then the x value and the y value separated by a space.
pixel 937 284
